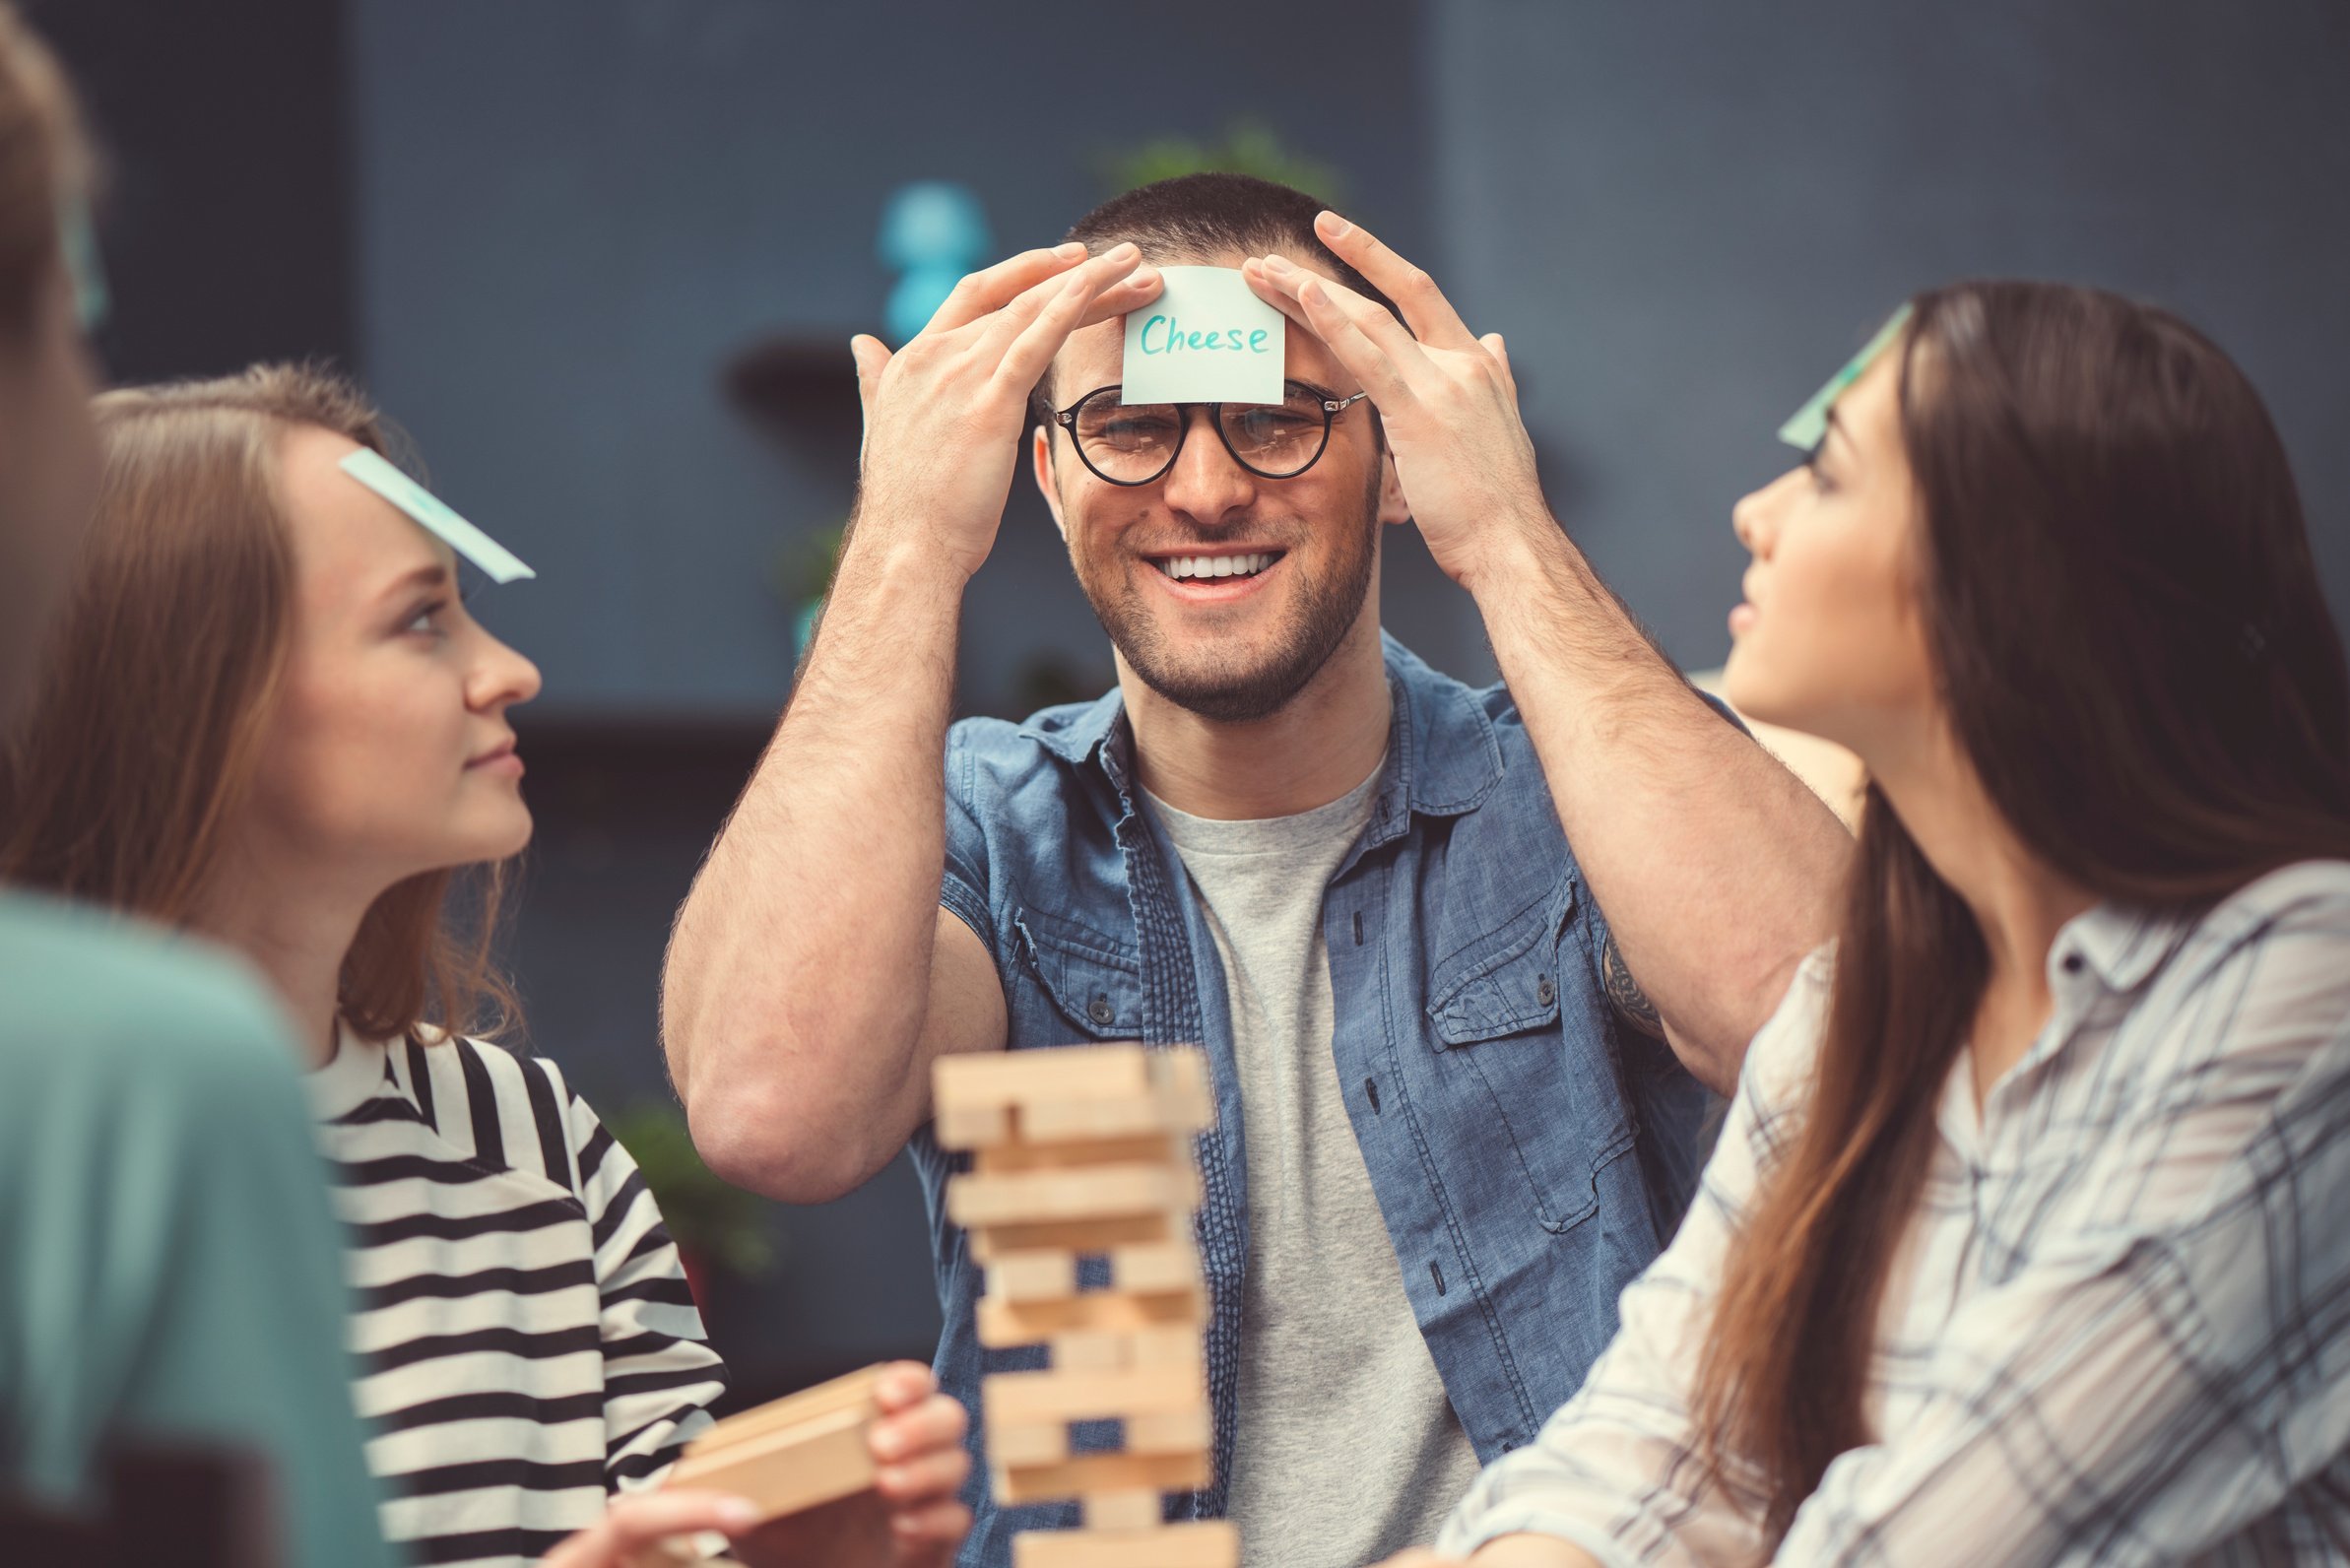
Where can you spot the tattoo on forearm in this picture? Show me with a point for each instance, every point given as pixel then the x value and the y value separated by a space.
pixel 1632 1004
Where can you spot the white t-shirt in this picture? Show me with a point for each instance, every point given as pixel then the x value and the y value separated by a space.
pixel 1347 1448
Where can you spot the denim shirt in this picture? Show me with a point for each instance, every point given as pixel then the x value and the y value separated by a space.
pixel 1530 1155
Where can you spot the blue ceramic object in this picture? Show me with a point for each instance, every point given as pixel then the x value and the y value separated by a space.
pixel 932 231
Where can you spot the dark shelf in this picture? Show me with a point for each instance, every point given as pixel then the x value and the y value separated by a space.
pixel 800 389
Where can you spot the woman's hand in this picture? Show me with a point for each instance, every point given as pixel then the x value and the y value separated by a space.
pixel 634 1530
pixel 911 1518
pixel 1445 396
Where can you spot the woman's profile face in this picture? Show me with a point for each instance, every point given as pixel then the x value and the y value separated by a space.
pixel 1829 639
pixel 388 752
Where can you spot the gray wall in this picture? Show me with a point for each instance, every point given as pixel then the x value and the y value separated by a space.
pixel 571 212
pixel 1684 216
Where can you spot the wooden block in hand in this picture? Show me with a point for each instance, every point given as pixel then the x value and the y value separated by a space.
pixel 793 1454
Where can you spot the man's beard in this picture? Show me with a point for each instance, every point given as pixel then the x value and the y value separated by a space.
pixel 1223 689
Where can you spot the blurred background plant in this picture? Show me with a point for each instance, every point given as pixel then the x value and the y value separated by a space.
pixel 719 1229
pixel 1248 147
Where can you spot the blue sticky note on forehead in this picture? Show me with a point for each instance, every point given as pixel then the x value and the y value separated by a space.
pixel 1205 339
pixel 434 515
pixel 1810 421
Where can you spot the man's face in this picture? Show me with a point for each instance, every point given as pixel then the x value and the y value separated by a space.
pixel 1231 647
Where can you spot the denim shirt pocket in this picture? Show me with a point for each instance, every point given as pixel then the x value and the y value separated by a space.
pixel 1512 1009
pixel 1092 982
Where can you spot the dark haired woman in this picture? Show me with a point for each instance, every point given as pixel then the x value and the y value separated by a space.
pixel 2026 1240
pixel 268 718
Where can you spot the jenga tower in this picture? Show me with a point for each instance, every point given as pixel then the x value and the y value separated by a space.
pixel 1076 1152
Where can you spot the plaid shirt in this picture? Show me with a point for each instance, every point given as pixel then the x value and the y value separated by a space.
pixel 2119 1330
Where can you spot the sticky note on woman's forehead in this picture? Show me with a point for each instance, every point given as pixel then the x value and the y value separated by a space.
pixel 434 516
pixel 1810 421
pixel 1205 339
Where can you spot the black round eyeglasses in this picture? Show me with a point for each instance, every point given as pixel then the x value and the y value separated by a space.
pixel 1137 443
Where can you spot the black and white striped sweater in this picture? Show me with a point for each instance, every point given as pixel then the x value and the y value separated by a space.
pixel 526 1342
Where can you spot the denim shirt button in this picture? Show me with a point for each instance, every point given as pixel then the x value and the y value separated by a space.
pixel 1544 992
pixel 1100 1012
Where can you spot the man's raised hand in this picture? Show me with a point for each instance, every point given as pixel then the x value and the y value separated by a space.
pixel 1445 395
pixel 943 414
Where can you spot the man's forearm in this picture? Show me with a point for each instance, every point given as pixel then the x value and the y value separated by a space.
pixel 1716 869
pixel 798 973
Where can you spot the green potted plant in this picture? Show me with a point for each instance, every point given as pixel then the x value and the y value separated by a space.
pixel 719 1229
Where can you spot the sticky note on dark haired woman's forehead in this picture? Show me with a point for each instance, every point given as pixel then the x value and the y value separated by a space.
pixel 1810 421
pixel 1205 339
pixel 435 516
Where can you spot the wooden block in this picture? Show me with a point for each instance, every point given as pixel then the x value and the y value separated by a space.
pixel 1030 1399
pixel 1190 1431
pixel 1133 1510
pixel 1054 1197
pixel 1032 1275
pixel 1092 1351
pixel 1192 1544
pixel 1062 1073
pixel 1156 1345
pixel 1003 1324
pixel 789 1468
pixel 1170 1111
pixel 990 1242
pixel 1173 1149
pixel 1020 1447
pixel 853 1391
pixel 971 1126
pixel 1099 1472
pixel 1155 1266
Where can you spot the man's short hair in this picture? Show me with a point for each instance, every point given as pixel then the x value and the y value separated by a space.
pixel 1196 216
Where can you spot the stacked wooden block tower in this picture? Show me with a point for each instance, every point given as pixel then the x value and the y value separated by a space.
pixel 1077 1153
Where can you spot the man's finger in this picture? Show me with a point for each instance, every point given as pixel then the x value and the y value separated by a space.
pixel 994 335
pixel 1501 357
pixel 1426 310
pixel 1375 323
pixel 1366 359
pixel 1138 289
pixel 872 357
pixel 1025 358
pixel 990 289
pixel 1252 273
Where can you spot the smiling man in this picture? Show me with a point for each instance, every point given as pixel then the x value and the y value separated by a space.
pixel 1404 917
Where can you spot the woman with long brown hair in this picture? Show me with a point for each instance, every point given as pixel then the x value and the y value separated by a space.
pixel 2024 1242
pixel 267 718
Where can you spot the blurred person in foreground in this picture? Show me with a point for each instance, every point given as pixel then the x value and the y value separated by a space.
pixel 1465 963
pixel 168 1264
